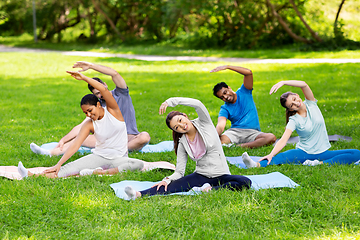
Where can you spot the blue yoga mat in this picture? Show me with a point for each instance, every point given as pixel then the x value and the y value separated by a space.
pixel 237 161
pixel 51 145
pixel 263 181
pixel 164 146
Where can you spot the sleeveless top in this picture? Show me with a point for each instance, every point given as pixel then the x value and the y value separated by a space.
pixel 111 137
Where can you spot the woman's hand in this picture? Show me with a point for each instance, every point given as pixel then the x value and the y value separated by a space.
pixel 84 65
pixel 60 145
pixel 268 157
pixel 220 68
pixel 55 169
pixel 76 75
pixel 276 87
pixel 163 107
pixel 162 183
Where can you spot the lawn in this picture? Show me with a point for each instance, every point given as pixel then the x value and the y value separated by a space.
pixel 169 49
pixel 40 103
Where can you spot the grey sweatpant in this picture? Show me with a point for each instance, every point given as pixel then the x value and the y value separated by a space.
pixel 93 161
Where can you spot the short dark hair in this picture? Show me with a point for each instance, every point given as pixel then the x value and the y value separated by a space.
pixel 89 99
pixel 91 88
pixel 218 87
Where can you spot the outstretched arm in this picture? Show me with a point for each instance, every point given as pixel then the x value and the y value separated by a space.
pixel 110 101
pixel 71 135
pixel 84 132
pixel 248 77
pixel 278 146
pixel 295 83
pixel 116 77
pixel 221 125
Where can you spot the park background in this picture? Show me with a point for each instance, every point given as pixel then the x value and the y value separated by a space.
pixel 40 103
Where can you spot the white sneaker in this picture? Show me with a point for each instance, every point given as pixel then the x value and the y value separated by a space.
pixel 311 163
pixel 88 171
pixel 130 192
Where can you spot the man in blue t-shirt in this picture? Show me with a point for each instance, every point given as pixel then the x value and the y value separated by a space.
pixel 136 139
pixel 240 109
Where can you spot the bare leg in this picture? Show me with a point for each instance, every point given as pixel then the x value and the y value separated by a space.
pixel 261 140
pixel 26 173
pixel 89 142
pixel 136 142
pixel 225 139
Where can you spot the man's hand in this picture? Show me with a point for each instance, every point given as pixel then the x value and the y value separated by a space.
pixel 84 65
pixel 220 68
pixel 162 183
pixel 163 107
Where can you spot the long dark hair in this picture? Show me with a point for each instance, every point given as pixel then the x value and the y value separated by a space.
pixel 283 99
pixel 176 135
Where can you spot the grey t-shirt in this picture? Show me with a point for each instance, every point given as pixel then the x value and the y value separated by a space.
pixel 123 99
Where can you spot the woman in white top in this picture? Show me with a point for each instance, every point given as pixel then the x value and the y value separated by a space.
pixel 305 117
pixel 199 140
pixel 108 126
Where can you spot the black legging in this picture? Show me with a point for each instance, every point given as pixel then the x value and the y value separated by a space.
pixel 184 184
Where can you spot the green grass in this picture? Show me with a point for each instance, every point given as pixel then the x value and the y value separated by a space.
pixel 167 49
pixel 40 103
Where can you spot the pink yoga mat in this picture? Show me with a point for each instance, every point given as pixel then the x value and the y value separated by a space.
pixel 11 172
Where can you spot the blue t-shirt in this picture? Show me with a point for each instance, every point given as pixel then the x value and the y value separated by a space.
pixel 313 137
pixel 242 114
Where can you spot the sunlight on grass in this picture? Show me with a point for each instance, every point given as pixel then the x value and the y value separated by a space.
pixel 40 103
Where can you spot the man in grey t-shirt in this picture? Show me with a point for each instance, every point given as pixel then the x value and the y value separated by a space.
pixel 136 139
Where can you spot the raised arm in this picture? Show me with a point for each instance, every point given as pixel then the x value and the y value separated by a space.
pixel 248 77
pixel 295 83
pixel 110 101
pixel 116 77
pixel 191 102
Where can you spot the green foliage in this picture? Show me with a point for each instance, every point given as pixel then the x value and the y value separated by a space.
pixel 40 103
pixel 227 24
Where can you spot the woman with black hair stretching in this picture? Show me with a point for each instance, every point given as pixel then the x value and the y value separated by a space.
pixel 199 140
pixel 305 117
pixel 111 150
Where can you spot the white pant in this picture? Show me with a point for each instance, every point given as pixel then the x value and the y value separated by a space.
pixel 93 161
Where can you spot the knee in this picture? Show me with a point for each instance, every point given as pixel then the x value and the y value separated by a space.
pixel 136 165
pixel 144 137
pixel 271 138
pixel 224 139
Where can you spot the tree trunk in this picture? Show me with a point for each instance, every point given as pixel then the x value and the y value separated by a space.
pixel 336 29
pixel 285 26
pixel 97 7
pixel 313 34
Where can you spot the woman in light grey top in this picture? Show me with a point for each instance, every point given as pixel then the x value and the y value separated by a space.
pixel 194 137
